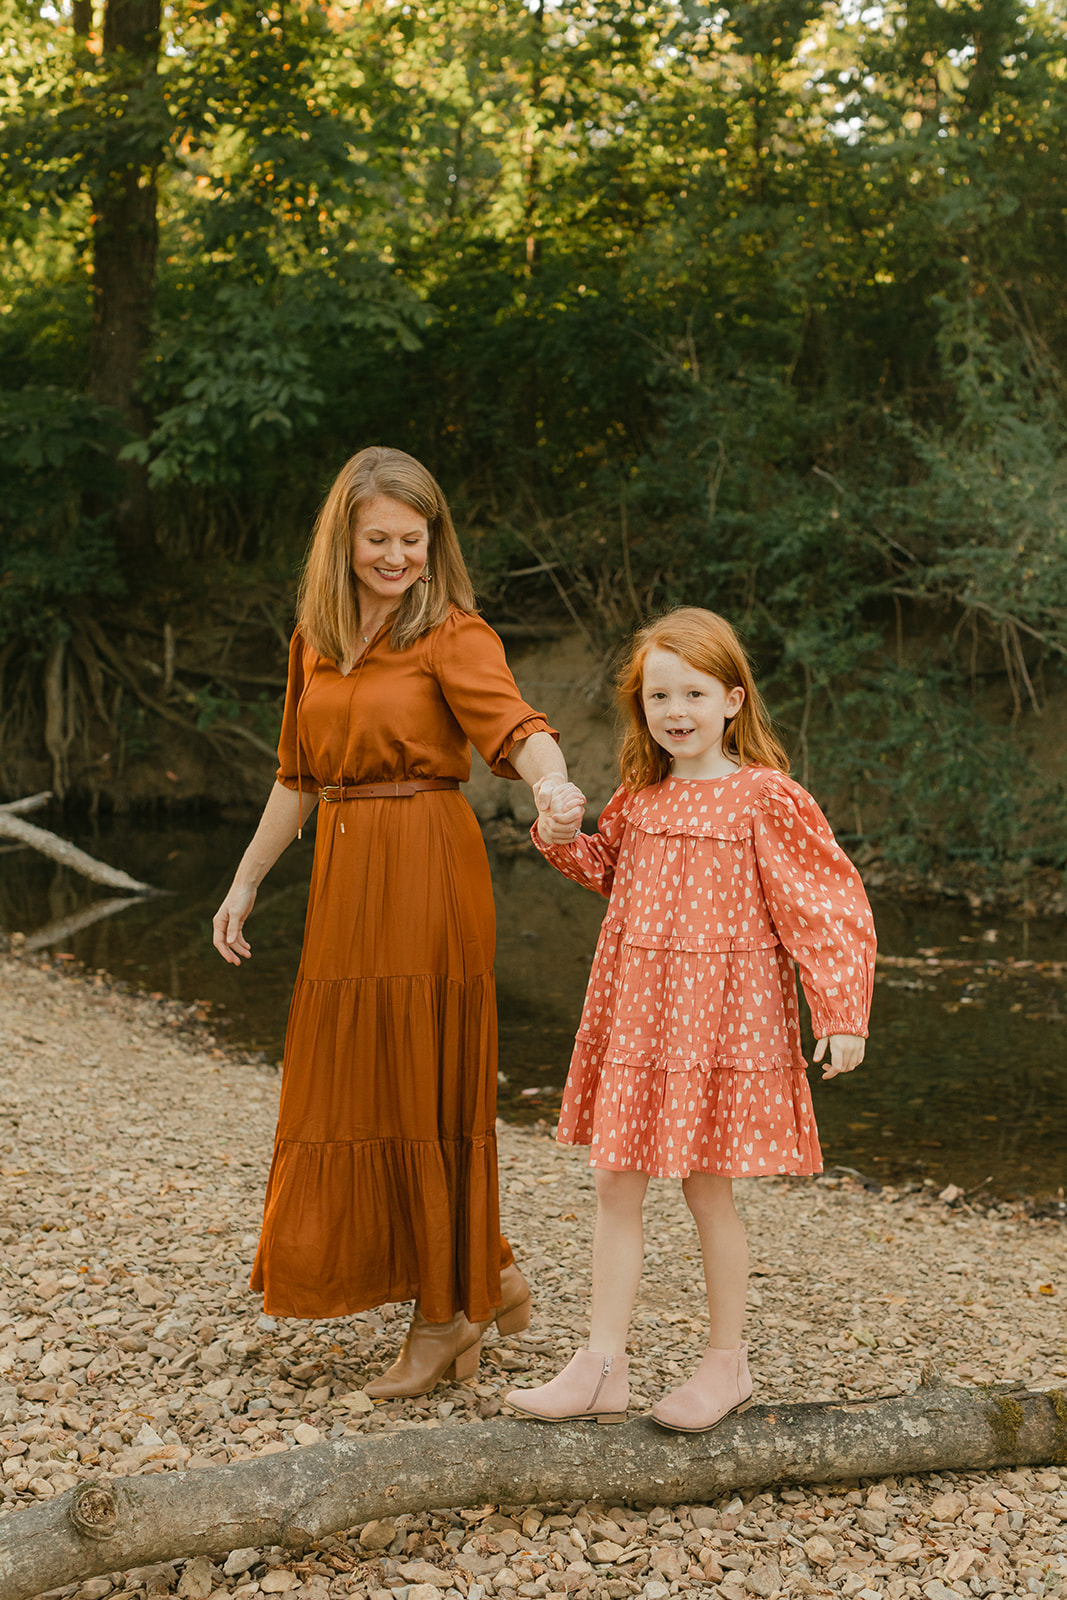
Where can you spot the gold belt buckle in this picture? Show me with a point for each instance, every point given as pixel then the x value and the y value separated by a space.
pixel 325 795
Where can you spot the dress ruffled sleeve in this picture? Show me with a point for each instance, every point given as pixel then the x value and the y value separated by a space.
pixel 591 858
pixel 818 905
pixel 293 766
pixel 469 663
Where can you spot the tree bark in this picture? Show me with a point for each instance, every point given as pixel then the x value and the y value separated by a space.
pixel 67 854
pixel 292 1499
pixel 126 234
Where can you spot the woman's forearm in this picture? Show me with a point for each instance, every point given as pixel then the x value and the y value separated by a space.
pixel 284 812
pixel 539 760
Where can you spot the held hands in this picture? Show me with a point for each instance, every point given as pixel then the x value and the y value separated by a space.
pixel 560 808
pixel 846 1053
pixel 228 923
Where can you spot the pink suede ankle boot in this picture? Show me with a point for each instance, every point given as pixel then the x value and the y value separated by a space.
pixel 719 1387
pixel 590 1385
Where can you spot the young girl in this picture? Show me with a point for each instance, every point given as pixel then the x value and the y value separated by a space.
pixel 720 872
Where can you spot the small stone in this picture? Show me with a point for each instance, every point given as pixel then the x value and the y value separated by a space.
pixel 934 1590
pixel 424 1591
pixel 764 1581
pixel 239 1561
pixel 606 1550
pixel 278 1581
pixel 304 1433
pixel 267 1324
pixel 356 1401
pixel 704 1517
pixel 820 1550
pixel 157 1578
pixel 218 1388
pixel 378 1535
pixel 665 1561
pixel 947 1507
pixel 41 1488
pixel 871 1521
pixel 198 1579
pixel 657 1590
pixel 94 1589
pixel 425 1572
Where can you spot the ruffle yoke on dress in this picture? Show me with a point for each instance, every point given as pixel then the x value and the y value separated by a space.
pixel 688 1057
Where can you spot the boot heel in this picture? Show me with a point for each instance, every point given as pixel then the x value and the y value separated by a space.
pixel 466 1363
pixel 606 1418
pixel 745 1405
pixel 516 1319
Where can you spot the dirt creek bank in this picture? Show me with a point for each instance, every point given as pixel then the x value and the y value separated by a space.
pixel 133 1160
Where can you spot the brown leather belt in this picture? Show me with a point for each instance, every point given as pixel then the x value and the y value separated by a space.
pixel 383 791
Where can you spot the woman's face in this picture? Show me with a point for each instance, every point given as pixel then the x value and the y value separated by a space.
pixel 389 549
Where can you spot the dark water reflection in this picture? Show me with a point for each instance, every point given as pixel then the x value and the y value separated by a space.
pixel 966 1073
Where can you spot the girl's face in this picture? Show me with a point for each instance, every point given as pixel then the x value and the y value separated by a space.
pixel 389 549
pixel 687 711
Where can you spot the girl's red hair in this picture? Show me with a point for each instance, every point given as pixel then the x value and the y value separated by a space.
pixel 709 644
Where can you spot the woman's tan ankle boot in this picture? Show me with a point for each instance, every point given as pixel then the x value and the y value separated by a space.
pixel 431 1351
pixel 590 1385
pixel 719 1387
pixel 512 1315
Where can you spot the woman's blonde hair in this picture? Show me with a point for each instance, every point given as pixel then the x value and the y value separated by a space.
pixel 709 644
pixel 327 612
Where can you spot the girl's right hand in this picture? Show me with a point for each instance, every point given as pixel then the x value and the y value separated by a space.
pixel 228 924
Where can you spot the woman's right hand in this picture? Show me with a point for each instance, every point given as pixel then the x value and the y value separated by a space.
pixel 228 924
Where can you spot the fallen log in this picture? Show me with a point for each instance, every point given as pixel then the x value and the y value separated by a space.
pixel 30 802
pixel 65 928
pixel 294 1498
pixel 67 854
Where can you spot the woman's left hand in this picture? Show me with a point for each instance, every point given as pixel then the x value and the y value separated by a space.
pixel 846 1053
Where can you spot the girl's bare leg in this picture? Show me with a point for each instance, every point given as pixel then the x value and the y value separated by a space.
pixel 618 1255
pixel 594 1382
pixel 725 1253
pixel 721 1383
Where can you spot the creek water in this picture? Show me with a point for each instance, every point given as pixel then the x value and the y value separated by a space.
pixel 965 1079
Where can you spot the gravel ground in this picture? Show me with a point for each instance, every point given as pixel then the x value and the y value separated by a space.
pixel 133 1156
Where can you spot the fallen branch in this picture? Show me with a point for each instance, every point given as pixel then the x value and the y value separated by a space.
pixel 66 927
pixel 31 802
pixel 61 850
pixel 294 1498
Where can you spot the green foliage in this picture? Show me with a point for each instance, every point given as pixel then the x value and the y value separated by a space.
pixel 755 305
pixel 56 452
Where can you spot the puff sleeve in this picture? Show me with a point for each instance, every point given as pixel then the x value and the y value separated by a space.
pixel 591 858
pixel 818 906
pixel 294 770
pixel 469 664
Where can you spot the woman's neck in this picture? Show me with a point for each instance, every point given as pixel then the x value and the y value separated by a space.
pixel 372 616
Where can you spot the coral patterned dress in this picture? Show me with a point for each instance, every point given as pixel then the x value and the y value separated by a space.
pixel 384 1180
pixel 688 1057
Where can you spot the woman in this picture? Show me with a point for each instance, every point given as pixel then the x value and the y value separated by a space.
pixel 384 1180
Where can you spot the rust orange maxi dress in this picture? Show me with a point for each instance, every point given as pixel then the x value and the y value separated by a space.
pixel 383 1185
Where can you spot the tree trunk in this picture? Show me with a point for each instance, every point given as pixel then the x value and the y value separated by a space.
pixel 292 1499
pixel 126 234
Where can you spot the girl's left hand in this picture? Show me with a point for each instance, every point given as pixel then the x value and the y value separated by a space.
pixel 846 1053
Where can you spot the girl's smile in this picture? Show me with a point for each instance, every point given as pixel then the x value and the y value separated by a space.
pixel 687 712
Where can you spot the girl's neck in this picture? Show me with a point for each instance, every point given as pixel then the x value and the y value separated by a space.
pixel 702 768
